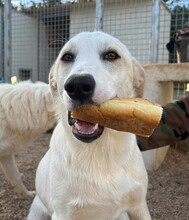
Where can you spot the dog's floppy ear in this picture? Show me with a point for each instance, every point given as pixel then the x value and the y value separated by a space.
pixel 139 78
pixel 52 82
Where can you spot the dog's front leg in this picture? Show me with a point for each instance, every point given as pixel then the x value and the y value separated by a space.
pixel 139 212
pixel 12 173
pixel 38 211
pixel 59 217
pixel 54 217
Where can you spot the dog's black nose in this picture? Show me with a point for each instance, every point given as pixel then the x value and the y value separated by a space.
pixel 80 87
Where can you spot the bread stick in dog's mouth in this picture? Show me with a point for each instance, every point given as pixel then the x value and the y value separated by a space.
pixel 133 115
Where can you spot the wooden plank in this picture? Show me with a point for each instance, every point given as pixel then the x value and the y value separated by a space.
pixel 155 32
pixel 1 42
pixel 99 15
pixel 7 40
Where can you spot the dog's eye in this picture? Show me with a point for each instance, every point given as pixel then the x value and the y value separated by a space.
pixel 110 56
pixel 68 57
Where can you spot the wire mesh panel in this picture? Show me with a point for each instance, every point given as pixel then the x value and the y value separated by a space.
pixel 180 89
pixel 179 33
pixel 178 45
pixel 82 17
pixel 53 24
pixel 41 27
pixel 24 45
pixel 164 33
pixel 131 21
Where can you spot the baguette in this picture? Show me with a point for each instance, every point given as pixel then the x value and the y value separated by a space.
pixel 133 115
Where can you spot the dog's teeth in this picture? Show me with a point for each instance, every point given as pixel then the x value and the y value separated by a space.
pixel 83 128
pixel 78 127
pixel 95 127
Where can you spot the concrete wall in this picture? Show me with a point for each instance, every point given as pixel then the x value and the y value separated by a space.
pixel 159 89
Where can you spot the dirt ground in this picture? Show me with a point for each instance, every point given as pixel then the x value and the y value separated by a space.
pixel 168 194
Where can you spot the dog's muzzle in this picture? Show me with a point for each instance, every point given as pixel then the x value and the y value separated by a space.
pixel 80 88
pixel 85 131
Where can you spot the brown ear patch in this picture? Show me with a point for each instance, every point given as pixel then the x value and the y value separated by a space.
pixel 52 82
pixel 139 78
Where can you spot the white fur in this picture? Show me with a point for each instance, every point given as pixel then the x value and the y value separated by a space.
pixel 106 178
pixel 26 111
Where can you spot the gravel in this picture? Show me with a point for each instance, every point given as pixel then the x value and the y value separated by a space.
pixel 168 193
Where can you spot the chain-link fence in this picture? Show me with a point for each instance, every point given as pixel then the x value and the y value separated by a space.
pixel 179 40
pixel 39 28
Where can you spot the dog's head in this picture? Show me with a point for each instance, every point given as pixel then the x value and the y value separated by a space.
pixel 91 68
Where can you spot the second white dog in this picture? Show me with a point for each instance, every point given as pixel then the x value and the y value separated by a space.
pixel 91 172
pixel 26 111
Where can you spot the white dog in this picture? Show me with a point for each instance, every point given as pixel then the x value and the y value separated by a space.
pixel 91 172
pixel 26 111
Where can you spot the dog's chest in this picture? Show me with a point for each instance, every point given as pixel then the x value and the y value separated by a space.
pixel 98 182
pixel 101 197
pixel 106 194
pixel 97 213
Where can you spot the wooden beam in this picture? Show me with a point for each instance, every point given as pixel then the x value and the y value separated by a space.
pixel 99 15
pixel 155 32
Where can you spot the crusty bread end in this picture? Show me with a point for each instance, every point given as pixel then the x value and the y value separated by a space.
pixel 134 115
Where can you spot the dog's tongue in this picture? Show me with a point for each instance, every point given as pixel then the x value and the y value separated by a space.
pixel 85 127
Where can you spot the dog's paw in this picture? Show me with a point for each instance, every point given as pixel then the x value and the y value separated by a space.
pixel 25 195
pixel 31 193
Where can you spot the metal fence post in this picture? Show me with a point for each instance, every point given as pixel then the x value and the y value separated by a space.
pixel 7 40
pixel 99 15
pixel 155 31
pixel 1 41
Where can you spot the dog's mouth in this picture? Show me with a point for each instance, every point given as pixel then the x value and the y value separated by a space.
pixel 85 131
